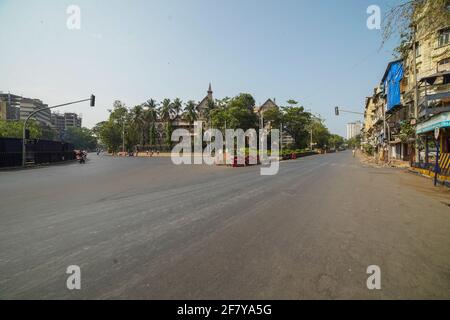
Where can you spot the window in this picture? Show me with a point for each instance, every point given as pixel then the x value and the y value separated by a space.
pixel 444 36
pixel 443 65
pixel 417 49
pixel 403 85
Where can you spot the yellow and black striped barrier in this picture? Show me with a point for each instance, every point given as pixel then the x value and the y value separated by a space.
pixel 444 172
pixel 444 164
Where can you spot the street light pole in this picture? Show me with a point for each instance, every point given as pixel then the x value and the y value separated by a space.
pixel 281 140
pixel 317 116
pixel 24 147
pixel 123 136
pixel 416 94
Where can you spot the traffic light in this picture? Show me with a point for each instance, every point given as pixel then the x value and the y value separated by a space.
pixel 336 110
pixel 92 100
pixel 27 134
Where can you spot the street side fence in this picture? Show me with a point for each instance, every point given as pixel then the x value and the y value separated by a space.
pixel 38 152
pixel 429 169
pixel 443 163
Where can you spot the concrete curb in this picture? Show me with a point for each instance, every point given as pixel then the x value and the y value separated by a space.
pixel 30 167
pixel 425 173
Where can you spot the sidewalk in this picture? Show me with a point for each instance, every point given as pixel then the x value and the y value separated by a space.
pixel 413 177
pixel 393 163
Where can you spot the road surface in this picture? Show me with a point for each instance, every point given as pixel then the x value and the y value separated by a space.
pixel 146 229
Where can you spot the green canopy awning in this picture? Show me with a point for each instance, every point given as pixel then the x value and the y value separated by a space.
pixel 441 120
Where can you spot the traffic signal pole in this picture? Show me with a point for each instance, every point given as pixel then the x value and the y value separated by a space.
pixel 24 146
pixel 339 110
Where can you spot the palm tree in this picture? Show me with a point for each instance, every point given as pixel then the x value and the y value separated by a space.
pixel 166 110
pixel 166 113
pixel 177 106
pixel 137 120
pixel 190 113
pixel 150 118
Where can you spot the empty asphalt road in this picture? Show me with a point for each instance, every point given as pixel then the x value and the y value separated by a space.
pixel 146 229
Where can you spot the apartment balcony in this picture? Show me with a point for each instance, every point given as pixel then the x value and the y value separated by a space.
pixel 434 94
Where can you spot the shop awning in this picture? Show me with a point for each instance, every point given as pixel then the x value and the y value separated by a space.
pixel 442 120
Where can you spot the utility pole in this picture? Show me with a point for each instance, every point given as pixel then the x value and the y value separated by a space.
pixel 416 93
pixel 123 135
pixel 385 138
pixel 281 140
pixel 317 116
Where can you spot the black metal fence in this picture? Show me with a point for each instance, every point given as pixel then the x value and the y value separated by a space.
pixel 38 152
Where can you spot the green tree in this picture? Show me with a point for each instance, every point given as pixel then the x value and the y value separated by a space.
pixel 168 134
pixel 110 134
pixel 321 135
pixel 237 114
pixel 132 136
pixel 292 103
pixel 119 113
pixel 150 118
pixel 244 100
pixel 48 133
pixel 177 107
pixel 296 122
pixel 336 141
pixel 166 113
pixel 407 131
pixel 190 113
pixel 14 129
pixel 274 116
pixel 81 138
pixel 220 117
pixel 138 123
pixel 222 103
pixel 166 110
pixel 354 142
pixel 403 19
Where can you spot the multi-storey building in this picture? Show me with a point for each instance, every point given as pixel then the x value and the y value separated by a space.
pixel 430 84
pixel 27 106
pixel 72 120
pixel 9 106
pixel 58 122
pixel 416 94
pixel 61 122
pixel 396 111
pixel 369 123
pixel 354 129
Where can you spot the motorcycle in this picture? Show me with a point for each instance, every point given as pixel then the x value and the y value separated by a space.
pixel 81 157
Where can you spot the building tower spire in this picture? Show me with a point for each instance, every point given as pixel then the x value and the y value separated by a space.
pixel 210 92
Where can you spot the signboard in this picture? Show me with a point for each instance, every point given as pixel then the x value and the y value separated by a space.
pixel 436 133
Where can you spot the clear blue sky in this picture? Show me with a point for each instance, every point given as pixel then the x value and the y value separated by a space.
pixel 318 52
